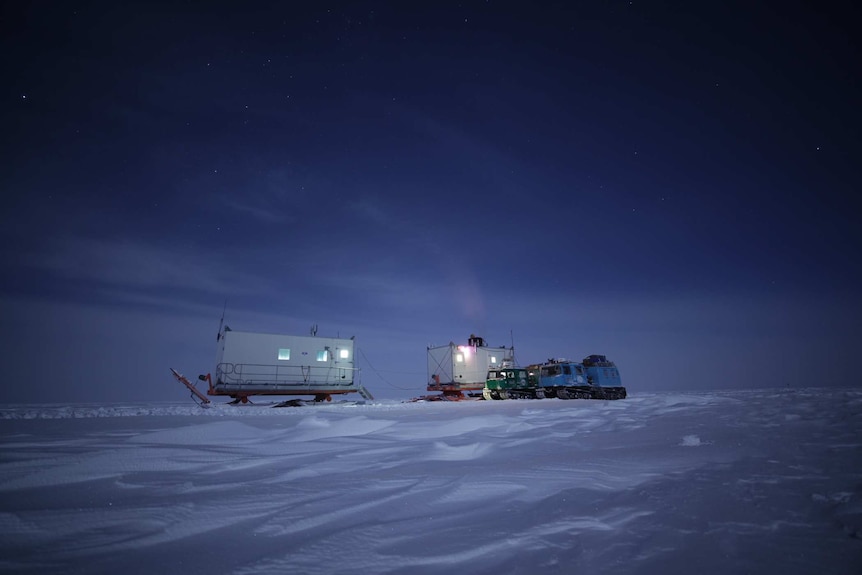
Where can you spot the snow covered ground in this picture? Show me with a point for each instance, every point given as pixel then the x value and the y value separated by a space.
pixel 739 482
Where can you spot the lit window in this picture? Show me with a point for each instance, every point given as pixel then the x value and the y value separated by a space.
pixel 493 359
pixel 323 355
pixel 284 354
pixel 343 354
pixel 459 357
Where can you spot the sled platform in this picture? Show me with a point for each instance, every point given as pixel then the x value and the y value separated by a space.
pixel 448 396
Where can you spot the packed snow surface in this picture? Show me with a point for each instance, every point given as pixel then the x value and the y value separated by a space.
pixel 738 482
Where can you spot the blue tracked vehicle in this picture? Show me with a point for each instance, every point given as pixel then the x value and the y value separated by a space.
pixel 594 378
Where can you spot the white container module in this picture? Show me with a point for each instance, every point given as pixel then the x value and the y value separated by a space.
pixel 454 368
pixel 273 364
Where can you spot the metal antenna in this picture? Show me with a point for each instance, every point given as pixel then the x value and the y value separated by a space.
pixel 221 321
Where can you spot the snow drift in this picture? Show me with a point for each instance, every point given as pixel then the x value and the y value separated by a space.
pixel 759 481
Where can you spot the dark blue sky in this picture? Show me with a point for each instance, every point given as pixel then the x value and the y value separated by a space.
pixel 673 184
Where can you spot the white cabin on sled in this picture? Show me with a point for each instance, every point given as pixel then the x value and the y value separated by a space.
pixel 272 364
pixel 455 368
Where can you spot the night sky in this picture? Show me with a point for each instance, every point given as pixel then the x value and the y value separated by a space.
pixel 672 184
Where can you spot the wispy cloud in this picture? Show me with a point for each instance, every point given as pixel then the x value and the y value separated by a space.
pixel 374 212
pixel 139 265
pixel 262 211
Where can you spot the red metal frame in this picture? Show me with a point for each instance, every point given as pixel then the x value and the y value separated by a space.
pixel 195 391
